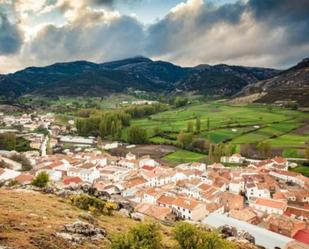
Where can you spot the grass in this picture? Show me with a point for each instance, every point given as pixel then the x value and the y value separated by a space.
pixel 238 124
pixel 30 220
pixel 184 156
pixel 302 170
pixel 290 140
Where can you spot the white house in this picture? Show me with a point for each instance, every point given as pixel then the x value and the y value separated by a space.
pixel 236 186
pixel 269 206
pixel 147 161
pixel 130 156
pixel 189 209
pixel 257 190
pixel 283 175
pixel 235 159
pixel 87 175
pixel 151 195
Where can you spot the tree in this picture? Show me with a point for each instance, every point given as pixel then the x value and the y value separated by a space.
pixel 180 101
pixel 264 148
pixel 143 236
pixel 190 126
pixel 137 135
pixel 186 235
pixel 189 236
pixel 8 141
pixel 184 139
pixel 157 131
pixel 208 124
pixel 200 145
pixel 307 151
pixel 198 125
pixel 41 180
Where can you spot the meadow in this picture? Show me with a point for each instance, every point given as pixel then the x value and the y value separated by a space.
pixel 184 156
pixel 236 124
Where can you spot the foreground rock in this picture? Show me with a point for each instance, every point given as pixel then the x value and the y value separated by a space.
pixel 232 233
pixel 80 231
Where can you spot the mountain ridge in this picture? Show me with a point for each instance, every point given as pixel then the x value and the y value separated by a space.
pixel 140 73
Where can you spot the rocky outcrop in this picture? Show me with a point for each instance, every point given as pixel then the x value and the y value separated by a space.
pixel 232 233
pixel 80 231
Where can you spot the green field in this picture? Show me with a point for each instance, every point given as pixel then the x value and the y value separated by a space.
pixel 237 124
pixel 184 156
pixel 302 170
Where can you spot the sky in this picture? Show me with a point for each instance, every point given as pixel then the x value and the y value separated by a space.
pixel 265 33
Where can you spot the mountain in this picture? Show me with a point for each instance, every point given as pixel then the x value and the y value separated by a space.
pixel 289 85
pixel 139 73
pixel 223 79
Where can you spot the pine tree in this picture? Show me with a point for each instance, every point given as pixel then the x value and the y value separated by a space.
pixel 198 125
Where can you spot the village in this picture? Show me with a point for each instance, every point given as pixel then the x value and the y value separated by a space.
pixel 262 197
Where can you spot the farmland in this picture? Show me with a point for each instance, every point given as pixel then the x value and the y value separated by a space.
pixel 184 156
pixel 236 124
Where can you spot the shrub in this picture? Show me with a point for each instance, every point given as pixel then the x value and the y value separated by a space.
pixel 144 236
pixel 41 180
pixel 189 236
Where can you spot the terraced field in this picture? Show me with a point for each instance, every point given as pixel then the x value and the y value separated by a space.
pixel 237 124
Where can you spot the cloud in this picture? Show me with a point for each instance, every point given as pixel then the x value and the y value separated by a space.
pixel 10 36
pixel 93 35
pixel 256 33
pixel 269 33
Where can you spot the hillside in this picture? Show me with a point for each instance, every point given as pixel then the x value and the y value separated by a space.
pixel 30 220
pixel 224 80
pixel 82 78
pixel 289 85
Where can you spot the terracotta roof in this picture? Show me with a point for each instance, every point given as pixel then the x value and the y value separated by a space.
pixel 147 167
pixel 134 182
pixel 279 159
pixel 302 236
pixel 286 173
pixel 157 212
pixel 70 180
pixel 245 214
pixel 187 203
pixel 167 200
pixel 24 178
pixel 270 203
pixel 279 195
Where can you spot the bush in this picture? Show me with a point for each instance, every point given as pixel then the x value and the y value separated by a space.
pixel 189 236
pixel 144 236
pixel 41 180
pixel 94 205
pixel 137 135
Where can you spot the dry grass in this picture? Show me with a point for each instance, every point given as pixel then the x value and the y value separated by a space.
pixel 29 220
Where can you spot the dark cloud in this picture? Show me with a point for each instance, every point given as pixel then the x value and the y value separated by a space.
pixel 94 36
pixel 292 16
pixel 10 36
pixel 189 25
pixel 257 32
pixel 112 3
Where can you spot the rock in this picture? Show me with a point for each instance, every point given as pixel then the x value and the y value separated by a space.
pixel 247 236
pixel 80 231
pixel 137 216
pixel 124 212
pixel 228 231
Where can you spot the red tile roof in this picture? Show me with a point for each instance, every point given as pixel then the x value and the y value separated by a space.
pixel 302 236
pixel 70 180
pixel 270 203
pixel 24 178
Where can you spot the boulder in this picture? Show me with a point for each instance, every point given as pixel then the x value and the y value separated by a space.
pixel 80 231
